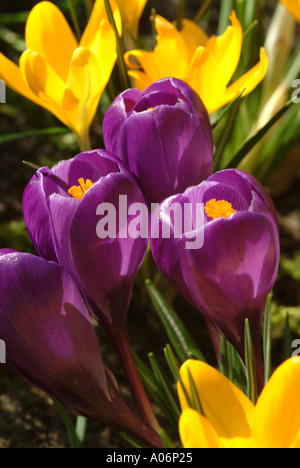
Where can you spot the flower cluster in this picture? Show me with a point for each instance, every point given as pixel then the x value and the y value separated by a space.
pixel 157 187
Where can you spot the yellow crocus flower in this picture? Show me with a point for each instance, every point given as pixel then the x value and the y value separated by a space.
pixel 131 12
pixel 206 64
pixel 59 74
pixel 294 8
pixel 230 420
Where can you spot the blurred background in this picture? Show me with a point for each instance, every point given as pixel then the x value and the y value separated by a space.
pixel 28 417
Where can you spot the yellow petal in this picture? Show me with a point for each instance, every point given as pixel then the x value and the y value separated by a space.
pixel 226 49
pixel 294 7
pixel 90 36
pixel 44 83
pixel 277 413
pixel 131 12
pixel 87 80
pixel 193 37
pixel 196 431
pixel 141 80
pixel 228 410
pixel 170 57
pixel 48 33
pixel 204 78
pixel 11 74
pixel 105 47
pixel 249 80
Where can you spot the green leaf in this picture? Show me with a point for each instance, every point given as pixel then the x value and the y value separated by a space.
pixel 32 133
pixel 257 137
pixel 180 339
pixel 165 439
pixel 250 365
pixel 154 389
pixel 172 362
pixel 180 15
pixel 287 339
pixel 202 10
pixel 131 441
pixel 232 365
pixel 250 29
pixel 170 394
pixel 267 339
pixel 74 442
pixel 195 397
pixel 80 429
pixel 225 12
pixel 226 110
pixel 152 17
pixel 74 19
pixel 120 48
pixel 225 138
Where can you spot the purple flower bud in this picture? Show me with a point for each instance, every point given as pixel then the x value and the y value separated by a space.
pixel 63 225
pixel 230 276
pixel 51 343
pixel 162 135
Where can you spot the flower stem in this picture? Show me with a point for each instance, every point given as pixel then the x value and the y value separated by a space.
pixel 122 346
pixel 84 142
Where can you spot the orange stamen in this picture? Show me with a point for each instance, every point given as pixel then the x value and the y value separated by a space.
pixel 78 192
pixel 218 209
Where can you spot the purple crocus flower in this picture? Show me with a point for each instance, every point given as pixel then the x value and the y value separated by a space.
pixel 162 135
pixel 230 276
pixel 51 343
pixel 63 227
pixel 79 214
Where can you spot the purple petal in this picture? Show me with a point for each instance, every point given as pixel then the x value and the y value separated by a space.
pixel 231 276
pixel 161 160
pixel 107 267
pixel 36 215
pixel 90 165
pixel 116 115
pixel 48 333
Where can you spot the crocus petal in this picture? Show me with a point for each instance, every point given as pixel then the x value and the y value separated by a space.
pixel 171 155
pixel 90 165
pixel 47 32
pixel 105 49
pixel 242 273
pixel 37 217
pixel 48 333
pixel 294 7
pixel 227 408
pixel 277 412
pixel 250 80
pixel 44 83
pixel 160 63
pixel 196 431
pixel 86 82
pixel 91 33
pixel 131 12
pixel 202 66
pixel 117 115
pixel 113 261
pixel 141 80
pixel 193 37
pixel 226 50
pixel 11 74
